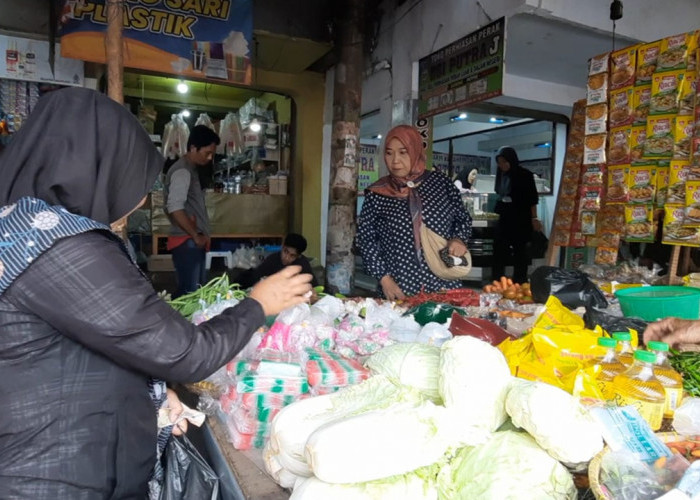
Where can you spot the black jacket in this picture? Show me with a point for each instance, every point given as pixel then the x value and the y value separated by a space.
pixel 82 331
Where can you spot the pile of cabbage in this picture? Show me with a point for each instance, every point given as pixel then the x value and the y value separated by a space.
pixel 430 424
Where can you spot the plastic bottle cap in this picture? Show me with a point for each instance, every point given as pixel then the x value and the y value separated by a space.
pixel 655 345
pixel 646 356
pixel 622 336
pixel 606 342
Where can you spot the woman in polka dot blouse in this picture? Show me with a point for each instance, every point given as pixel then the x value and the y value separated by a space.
pixel 393 211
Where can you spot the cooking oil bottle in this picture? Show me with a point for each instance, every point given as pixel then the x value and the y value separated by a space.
pixel 610 366
pixel 625 352
pixel 639 387
pixel 669 378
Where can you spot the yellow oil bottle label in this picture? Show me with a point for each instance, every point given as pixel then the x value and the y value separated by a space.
pixel 606 389
pixel 673 400
pixel 653 413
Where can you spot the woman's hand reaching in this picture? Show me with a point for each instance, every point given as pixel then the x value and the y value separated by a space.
pixel 175 410
pixel 282 290
pixel 456 247
pixel 673 331
pixel 391 290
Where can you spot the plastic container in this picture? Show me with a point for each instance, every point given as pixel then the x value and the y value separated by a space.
pixel 669 378
pixel 610 366
pixel 625 351
pixel 651 303
pixel 639 387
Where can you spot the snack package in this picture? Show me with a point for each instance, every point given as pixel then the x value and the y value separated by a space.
pixel 677 176
pixel 572 171
pixel 621 107
pixel 605 256
pixel 687 93
pixel 599 64
pixel 618 191
pixel 593 175
pixel 647 56
pixel 638 136
pixel 576 237
pixel 640 104
pixel 607 238
pixel 560 237
pixel 682 136
pixel 612 219
pixel 661 183
pixel 674 231
pixel 594 149
pixel 590 197
pixel 642 184
pixel 597 119
pixel 674 52
pixel 639 223
pixel 588 223
pixel 692 204
pixel 665 92
pixel 623 63
pixel 619 142
pixel 597 89
pixel 569 191
pixel 659 141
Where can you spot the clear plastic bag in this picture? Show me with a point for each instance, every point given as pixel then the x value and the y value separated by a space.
pixel 686 419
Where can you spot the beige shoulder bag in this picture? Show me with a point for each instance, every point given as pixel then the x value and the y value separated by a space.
pixel 432 243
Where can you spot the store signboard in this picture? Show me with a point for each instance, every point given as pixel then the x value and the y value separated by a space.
pixel 28 60
pixel 467 71
pixel 369 167
pixel 204 39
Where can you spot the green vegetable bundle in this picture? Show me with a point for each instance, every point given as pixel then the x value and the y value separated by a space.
pixel 687 363
pixel 217 289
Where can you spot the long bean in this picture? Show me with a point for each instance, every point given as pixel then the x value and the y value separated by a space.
pixel 687 363
pixel 217 289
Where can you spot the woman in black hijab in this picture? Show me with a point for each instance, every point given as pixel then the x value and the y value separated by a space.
pixel 83 332
pixel 517 207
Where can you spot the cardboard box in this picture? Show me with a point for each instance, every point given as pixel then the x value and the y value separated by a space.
pixel 278 185
pixel 160 263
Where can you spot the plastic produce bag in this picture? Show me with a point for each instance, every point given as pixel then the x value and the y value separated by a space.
pixel 572 288
pixel 404 329
pixel 686 418
pixel 187 475
pixel 480 328
pixel 435 334
pixel 432 312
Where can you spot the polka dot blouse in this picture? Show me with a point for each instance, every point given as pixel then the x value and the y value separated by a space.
pixel 385 234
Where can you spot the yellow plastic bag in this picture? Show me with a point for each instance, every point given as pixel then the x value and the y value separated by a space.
pixel 556 314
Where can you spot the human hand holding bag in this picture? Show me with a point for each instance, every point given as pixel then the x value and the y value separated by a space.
pixel 434 246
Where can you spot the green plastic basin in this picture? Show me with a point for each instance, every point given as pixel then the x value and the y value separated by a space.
pixel 657 302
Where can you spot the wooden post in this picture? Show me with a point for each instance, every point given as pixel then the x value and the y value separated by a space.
pixel 345 139
pixel 115 74
pixel 114 50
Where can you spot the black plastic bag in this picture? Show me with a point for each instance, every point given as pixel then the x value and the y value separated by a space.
pixel 187 475
pixel 610 323
pixel 572 288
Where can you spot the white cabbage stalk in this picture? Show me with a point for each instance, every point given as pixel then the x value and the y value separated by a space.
pixel 412 365
pixel 294 424
pixel 511 466
pixel 556 419
pixel 406 487
pixel 380 443
pixel 474 381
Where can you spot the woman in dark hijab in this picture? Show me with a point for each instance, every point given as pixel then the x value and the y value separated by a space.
pixel 84 335
pixel 517 207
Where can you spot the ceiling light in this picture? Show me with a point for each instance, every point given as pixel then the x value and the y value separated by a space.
pixel 462 116
pixel 182 87
pixel 543 145
pixel 255 126
pixel 495 119
pixel 378 136
pixel 185 113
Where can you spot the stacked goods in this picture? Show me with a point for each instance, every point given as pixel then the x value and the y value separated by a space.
pixel 640 165
pixel 328 371
pixel 568 190
pixel 510 290
pixel 259 390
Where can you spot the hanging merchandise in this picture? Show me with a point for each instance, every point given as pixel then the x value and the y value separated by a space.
pixel 231 135
pixel 175 136
pixel 205 120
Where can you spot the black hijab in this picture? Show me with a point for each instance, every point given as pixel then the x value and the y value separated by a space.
pixel 83 151
pixel 504 183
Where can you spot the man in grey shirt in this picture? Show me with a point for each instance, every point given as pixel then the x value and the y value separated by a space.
pixel 185 205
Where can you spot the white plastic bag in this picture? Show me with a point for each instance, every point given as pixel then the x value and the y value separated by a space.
pixel 404 329
pixel 686 419
pixel 434 334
